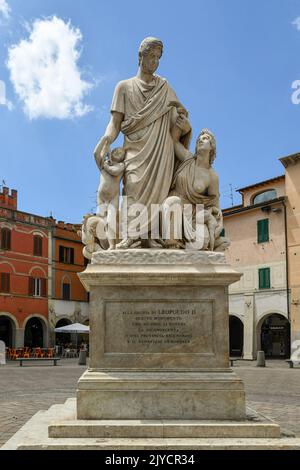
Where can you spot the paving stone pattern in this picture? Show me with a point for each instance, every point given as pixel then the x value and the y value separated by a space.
pixel 273 391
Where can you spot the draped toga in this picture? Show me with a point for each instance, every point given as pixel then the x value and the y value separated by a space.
pixel 149 160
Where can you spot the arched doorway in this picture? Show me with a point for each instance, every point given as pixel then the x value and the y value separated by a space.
pixel 275 336
pixel 7 330
pixel 62 339
pixel 236 336
pixel 34 334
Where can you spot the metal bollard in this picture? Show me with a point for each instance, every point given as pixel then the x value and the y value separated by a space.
pixel 261 359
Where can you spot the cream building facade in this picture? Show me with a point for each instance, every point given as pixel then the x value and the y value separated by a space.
pixel 292 185
pixel 265 246
pixel 260 301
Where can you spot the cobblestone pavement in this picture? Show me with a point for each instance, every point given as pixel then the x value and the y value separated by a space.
pixel 273 391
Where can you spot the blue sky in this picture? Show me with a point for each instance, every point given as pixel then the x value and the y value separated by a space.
pixel 232 64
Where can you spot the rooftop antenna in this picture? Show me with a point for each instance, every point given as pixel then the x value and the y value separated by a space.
pixel 3 184
pixel 228 194
pixel 231 194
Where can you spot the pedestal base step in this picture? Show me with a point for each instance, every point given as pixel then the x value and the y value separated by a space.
pixel 162 429
pixel 34 435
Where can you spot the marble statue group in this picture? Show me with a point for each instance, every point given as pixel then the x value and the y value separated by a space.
pixel 155 168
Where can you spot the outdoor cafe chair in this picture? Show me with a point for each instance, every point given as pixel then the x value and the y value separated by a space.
pixel 26 353
pixel 39 353
pixel 50 352
pixel 14 354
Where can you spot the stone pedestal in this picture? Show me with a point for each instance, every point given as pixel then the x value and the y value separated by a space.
pixel 159 338
pixel 159 375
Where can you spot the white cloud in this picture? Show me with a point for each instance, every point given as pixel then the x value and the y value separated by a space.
pixel 4 8
pixel 3 100
pixel 44 71
pixel 296 23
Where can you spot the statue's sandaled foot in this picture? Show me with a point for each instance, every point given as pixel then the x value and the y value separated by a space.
pixel 173 244
pixel 155 244
pixel 128 243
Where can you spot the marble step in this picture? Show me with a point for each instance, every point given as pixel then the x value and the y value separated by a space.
pixel 131 429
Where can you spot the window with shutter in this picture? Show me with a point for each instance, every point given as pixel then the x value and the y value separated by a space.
pixel 66 291
pixel 5 238
pixel 66 255
pixel 43 287
pixel 5 282
pixel 37 287
pixel 37 245
pixel 61 254
pixel 31 286
pixel 264 278
pixel 262 230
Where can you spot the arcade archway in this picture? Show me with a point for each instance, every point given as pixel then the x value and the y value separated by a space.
pixel 62 339
pixel 275 336
pixel 34 333
pixel 236 336
pixel 7 331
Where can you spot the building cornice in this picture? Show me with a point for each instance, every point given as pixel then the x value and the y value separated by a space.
pixel 261 183
pixel 239 209
pixel 290 159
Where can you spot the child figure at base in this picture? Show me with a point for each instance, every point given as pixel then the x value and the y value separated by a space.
pixel 109 191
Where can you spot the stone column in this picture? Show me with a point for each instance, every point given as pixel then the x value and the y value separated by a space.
pixel 249 327
pixel 19 337
pixel 46 337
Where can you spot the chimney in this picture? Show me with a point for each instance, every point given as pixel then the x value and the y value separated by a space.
pixel 9 201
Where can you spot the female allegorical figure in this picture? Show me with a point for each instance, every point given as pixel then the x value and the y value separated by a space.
pixel 196 182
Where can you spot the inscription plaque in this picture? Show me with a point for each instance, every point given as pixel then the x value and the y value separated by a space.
pixel 159 326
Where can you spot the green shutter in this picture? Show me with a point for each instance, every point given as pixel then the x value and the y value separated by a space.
pixel 264 278
pixel 262 230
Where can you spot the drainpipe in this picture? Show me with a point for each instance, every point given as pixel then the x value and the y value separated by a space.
pixel 286 260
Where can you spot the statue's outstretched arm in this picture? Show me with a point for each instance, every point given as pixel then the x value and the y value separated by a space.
pixel 112 131
pixel 180 151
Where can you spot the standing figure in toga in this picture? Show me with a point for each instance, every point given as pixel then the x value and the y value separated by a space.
pixel 141 111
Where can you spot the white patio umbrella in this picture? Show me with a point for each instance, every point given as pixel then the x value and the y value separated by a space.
pixel 73 328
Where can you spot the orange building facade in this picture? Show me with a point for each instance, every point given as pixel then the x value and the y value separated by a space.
pixel 69 301
pixel 24 274
pixel 39 286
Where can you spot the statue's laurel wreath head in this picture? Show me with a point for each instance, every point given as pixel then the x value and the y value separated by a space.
pixel 213 150
pixel 147 44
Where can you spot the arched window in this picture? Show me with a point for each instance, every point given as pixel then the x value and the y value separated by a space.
pixel 5 238
pixel 66 290
pixel 37 245
pixel 37 287
pixel 265 196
